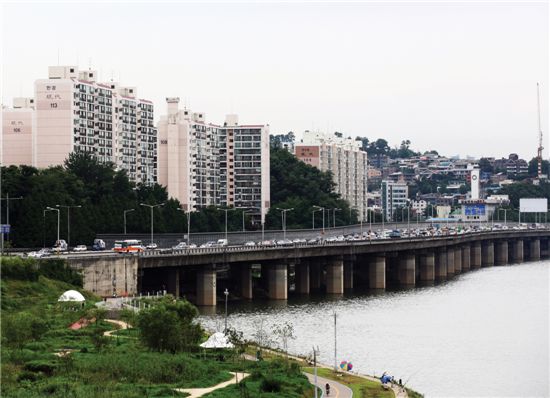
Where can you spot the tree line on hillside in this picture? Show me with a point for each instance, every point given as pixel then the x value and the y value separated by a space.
pixel 105 193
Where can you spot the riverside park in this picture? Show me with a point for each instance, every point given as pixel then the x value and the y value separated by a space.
pixel 86 348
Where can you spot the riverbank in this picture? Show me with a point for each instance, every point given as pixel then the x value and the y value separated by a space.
pixel 42 355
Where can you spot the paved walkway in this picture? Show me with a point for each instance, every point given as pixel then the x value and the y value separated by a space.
pixel 123 325
pixel 337 390
pixel 199 392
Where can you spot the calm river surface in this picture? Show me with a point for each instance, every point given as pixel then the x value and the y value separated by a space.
pixel 485 333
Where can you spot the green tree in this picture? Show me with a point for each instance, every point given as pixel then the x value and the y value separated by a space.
pixel 169 326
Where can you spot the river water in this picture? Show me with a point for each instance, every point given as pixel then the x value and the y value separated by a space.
pixel 484 333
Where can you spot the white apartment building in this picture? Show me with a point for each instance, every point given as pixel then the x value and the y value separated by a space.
pixel 203 164
pixel 394 196
pixel 17 132
pixel 344 158
pixel 74 112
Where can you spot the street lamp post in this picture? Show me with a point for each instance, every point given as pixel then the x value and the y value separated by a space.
pixel 283 219
pixel 57 210
pixel 243 213
pixel 188 213
pixel 226 210
pixel 126 211
pixel 68 221
pixel 152 208
pixel 334 216
pixel 504 210
pixel 44 228
pixel 226 293
pixel 315 209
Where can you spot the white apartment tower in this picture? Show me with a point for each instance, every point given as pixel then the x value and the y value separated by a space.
pixel 203 164
pixel 346 161
pixel 76 113
pixel 17 132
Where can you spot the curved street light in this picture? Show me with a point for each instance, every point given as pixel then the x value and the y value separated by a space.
pixel 152 207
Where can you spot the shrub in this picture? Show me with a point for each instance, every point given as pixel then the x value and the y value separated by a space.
pixel 23 327
pixel 169 327
pixel 59 270
pixel 24 269
pixel 44 366
pixel 270 385
pixel 27 376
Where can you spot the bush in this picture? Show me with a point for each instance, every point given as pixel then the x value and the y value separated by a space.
pixel 22 327
pixel 169 326
pixel 44 366
pixel 27 376
pixel 270 385
pixel 59 270
pixel 24 269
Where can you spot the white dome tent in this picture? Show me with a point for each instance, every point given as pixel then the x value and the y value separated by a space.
pixel 217 340
pixel 71 295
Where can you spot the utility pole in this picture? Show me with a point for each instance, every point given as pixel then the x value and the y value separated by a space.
pixel 126 211
pixel 7 199
pixel 152 208
pixel 69 222
pixel 335 351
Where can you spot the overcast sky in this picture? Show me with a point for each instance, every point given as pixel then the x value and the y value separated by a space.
pixel 456 77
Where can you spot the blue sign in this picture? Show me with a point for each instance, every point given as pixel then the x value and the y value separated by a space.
pixel 5 228
pixel 474 210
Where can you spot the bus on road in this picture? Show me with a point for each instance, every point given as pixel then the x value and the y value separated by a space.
pixel 128 246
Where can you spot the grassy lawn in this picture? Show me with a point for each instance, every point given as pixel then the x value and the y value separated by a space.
pixel 361 387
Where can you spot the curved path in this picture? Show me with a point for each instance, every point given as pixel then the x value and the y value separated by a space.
pixel 337 390
pixel 199 392
pixel 123 325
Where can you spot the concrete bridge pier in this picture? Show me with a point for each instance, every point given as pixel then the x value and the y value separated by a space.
pixel 348 273
pixel 206 286
pixel 466 257
pixel 441 265
pixel 475 255
pixel 377 272
pixel 487 254
pixel 450 262
pixel 501 252
pixel 246 281
pixel 406 270
pixel 427 268
pixel 173 281
pixel 302 277
pixel 534 250
pixel 458 260
pixel 517 251
pixel 277 281
pixel 315 275
pixel 335 275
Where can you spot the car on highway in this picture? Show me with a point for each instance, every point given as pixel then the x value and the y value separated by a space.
pixel 210 243
pixel 151 246
pixel 221 243
pixel 80 248
pixel 180 246
pixel 284 242
pixel 250 243
pixel 268 242
pixel 39 254
pixel 99 244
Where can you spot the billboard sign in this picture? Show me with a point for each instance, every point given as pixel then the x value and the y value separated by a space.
pixel 477 209
pixel 533 205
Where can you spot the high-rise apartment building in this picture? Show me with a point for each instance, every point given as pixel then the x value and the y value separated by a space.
pixel 73 112
pixel 203 164
pixel 394 196
pixel 346 161
pixel 17 129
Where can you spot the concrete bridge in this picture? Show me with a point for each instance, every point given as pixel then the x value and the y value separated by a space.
pixel 202 274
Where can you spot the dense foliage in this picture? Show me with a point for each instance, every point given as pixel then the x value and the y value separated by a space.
pixel 105 193
pixel 170 326
pixel 28 269
pixel 297 185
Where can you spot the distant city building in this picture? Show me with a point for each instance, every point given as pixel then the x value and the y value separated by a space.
pixel 73 112
pixel 419 206
pixel 513 165
pixel 346 161
pixel 17 132
pixel 394 196
pixel 204 164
